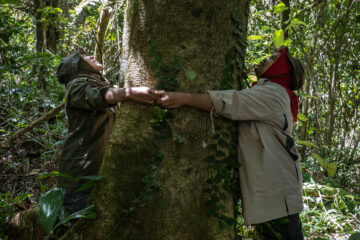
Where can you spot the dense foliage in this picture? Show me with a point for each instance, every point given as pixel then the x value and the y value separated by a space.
pixel 324 34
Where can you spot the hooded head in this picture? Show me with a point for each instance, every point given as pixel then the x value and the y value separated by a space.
pixel 282 65
pixel 74 66
pixel 285 70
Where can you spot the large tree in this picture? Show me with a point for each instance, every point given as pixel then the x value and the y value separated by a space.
pixel 155 170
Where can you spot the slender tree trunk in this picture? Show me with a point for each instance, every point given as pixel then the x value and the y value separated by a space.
pixel 161 184
pixel 38 4
pixel 52 34
pixel 285 16
pixel 101 29
pixel 40 40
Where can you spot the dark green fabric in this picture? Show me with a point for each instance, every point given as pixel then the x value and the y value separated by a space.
pixel 68 68
pixel 90 121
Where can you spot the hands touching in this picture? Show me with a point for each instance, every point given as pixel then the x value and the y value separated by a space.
pixel 172 99
pixel 138 94
pixel 162 98
pixel 142 94
pixel 177 99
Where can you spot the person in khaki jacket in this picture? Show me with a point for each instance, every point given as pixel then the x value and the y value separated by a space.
pixel 270 175
pixel 89 104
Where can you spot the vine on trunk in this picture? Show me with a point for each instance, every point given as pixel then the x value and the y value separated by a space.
pixel 223 160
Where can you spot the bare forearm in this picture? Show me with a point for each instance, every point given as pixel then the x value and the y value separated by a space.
pixel 137 94
pixel 198 100
pixel 115 95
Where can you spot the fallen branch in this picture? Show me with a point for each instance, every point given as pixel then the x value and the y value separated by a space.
pixel 7 143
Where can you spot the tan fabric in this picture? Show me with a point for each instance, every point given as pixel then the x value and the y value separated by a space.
pixel 270 178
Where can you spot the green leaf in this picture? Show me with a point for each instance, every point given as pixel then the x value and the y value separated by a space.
pixel 331 169
pixel 306 143
pixel 302 117
pixel 320 160
pixel 287 42
pixel 254 37
pixel 178 138
pixel 50 205
pixel 278 38
pixel 295 22
pixel 92 178
pixel 258 60
pixel 88 212
pixel 177 64
pixel 278 9
pixel 308 96
pixel 85 186
pixel 190 74
pixel 159 113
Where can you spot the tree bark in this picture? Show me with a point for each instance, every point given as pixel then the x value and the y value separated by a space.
pixel 52 34
pixel 101 29
pixel 172 192
pixel 284 17
pixel 40 40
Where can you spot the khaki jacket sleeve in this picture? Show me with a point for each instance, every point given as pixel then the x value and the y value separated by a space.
pixel 259 103
pixel 83 95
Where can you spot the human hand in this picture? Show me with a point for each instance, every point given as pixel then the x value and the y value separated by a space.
pixel 142 94
pixel 172 99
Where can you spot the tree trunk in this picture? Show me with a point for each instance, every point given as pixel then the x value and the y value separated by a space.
pixel 155 184
pixel 52 34
pixel 284 17
pixel 101 29
pixel 40 40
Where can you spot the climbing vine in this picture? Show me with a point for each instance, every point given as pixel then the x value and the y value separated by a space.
pixel 223 158
pixel 166 74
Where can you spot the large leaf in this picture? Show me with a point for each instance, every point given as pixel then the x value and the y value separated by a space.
pixel 306 143
pixel 50 205
pixel 320 160
pixel 90 183
pixel 278 38
pixel 331 169
pixel 88 212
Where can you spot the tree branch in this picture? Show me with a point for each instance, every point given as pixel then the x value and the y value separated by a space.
pixel 7 143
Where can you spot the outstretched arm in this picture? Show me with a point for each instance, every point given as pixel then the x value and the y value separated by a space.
pixel 138 94
pixel 177 99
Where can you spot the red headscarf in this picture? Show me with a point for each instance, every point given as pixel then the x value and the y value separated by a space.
pixel 280 72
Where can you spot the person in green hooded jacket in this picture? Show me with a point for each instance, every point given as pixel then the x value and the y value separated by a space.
pixel 89 103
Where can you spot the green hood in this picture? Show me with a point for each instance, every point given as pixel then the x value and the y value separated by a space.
pixel 74 66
